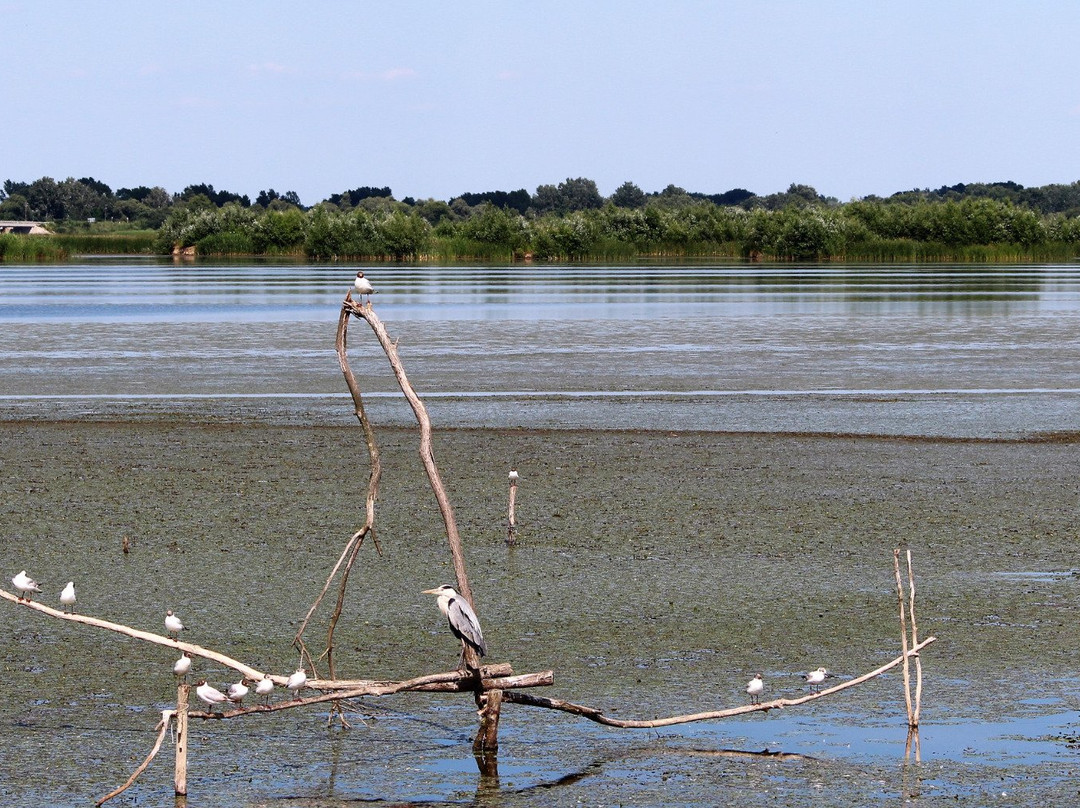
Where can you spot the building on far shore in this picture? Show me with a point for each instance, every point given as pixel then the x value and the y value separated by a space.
pixel 25 228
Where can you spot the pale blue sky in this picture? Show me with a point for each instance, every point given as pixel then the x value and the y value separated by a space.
pixel 437 98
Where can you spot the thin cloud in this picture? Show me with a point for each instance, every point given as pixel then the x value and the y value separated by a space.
pixel 269 69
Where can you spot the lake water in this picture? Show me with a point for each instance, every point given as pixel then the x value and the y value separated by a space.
pixel 947 350
pixel 735 527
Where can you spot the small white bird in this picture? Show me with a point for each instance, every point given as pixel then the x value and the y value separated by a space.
pixel 362 286
pixel 237 692
pixel 754 688
pixel 182 666
pixel 26 585
pixel 211 695
pixel 67 597
pixel 513 475
pixel 296 681
pixel 173 624
pixel 815 678
pixel 265 687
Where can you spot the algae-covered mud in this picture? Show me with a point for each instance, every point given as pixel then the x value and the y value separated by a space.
pixel 655 573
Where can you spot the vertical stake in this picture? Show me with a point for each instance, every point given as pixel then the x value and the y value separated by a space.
pixel 180 772
pixel 511 519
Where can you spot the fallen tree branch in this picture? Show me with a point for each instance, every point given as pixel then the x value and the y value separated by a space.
pixel 163 725
pixel 596 715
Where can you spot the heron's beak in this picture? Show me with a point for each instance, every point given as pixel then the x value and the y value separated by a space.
pixel 431 591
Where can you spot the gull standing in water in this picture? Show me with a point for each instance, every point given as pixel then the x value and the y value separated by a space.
pixel 754 689
pixel 173 624
pixel 182 665
pixel 67 597
pixel 362 286
pixel 297 681
pixel 463 620
pixel 211 695
pixel 265 687
pixel 26 585
pixel 815 678
pixel 237 692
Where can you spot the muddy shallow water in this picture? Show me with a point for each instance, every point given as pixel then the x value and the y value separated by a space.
pixel 655 572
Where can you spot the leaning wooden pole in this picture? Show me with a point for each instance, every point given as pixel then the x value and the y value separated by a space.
pixel 914 642
pixel 904 639
pixel 427 454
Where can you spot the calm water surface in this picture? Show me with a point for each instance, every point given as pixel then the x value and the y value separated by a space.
pixel 949 351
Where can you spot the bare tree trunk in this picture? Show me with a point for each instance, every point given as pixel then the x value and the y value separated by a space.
pixel 427 456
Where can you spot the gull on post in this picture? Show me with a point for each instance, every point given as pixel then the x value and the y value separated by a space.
pixel 463 620
pixel 182 666
pixel 26 585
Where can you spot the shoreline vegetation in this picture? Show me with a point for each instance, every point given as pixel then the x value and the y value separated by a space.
pixel 996 223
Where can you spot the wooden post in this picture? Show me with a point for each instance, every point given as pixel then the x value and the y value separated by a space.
pixel 487 736
pixel 511 519
pixel 180 771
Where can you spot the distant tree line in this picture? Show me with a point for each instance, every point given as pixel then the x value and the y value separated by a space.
pixel 572 220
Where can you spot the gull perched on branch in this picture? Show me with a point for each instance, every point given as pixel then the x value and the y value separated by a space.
pixel 211 695
pixel 67 597
pixel 362 286
pixel 173 624
pixel 26 585
pixel 237 692
pixel 463 620
pixel 265 687
pixel 296 681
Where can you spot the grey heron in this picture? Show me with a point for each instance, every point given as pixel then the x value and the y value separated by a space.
pixel 463 621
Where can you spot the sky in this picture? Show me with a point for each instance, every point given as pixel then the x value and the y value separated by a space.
pixel 435 99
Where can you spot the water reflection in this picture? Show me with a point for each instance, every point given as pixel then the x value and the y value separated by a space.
pixel 144 288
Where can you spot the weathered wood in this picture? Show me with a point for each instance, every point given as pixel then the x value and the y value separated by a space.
pixel 914 641
pixel 180 766
pixel 163 725
pixel 596 715
pixel 487 736
pixel 511 516
pixel 427 456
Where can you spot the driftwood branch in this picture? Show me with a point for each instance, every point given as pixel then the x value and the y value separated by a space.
pixel 352 546
pixel 162 728
pixel 427 454
pixel 599 717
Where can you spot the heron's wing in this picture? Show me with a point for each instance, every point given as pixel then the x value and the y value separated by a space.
pixel 465 624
